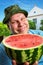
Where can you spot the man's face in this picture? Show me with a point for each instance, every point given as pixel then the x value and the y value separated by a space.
pixel 19 24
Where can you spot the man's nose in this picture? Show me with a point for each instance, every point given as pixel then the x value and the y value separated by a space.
pixel 20 23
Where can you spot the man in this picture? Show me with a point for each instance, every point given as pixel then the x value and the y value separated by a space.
pixel 17 22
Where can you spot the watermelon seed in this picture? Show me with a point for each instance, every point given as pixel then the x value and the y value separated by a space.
pixel 15 39
pixel 33 43
pixel 15 44
pixel 24 44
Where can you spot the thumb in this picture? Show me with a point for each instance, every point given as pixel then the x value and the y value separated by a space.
pixel 26 63
pixel 14 62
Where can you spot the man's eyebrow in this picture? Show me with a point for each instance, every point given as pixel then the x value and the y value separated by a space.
pixel 14 21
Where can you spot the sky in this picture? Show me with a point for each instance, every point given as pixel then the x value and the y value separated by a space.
pixel 24 4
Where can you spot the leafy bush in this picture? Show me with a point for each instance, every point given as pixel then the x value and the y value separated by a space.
pixel 41 22
pixel 4 31
pixel 32 24
pixel 41 28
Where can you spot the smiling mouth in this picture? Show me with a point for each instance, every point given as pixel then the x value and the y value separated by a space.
pixel 22 29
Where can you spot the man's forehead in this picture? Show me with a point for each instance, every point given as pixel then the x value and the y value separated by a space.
pixel 15 16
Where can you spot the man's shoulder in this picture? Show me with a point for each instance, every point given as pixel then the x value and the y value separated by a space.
pixel 33 31
pixel 39 32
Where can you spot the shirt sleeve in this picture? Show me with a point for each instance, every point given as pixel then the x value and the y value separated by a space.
pixel 4 59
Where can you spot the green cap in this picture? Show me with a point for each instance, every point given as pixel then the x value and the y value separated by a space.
pixel 9 11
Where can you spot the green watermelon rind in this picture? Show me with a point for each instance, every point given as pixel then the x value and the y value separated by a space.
pixel 22 56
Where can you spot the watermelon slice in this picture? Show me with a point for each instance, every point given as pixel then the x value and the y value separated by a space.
pixel 24 47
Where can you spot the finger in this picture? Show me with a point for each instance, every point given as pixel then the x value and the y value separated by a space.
pixel 26 63
pixel 36 63
pixel 14 62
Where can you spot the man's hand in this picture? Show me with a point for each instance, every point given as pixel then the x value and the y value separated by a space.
pixel 14 62
pixel 26 63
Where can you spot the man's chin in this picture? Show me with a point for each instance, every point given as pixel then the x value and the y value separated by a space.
pixel 23 32
pixel 20 32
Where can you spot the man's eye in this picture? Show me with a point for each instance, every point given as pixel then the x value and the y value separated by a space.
pixel 13 22
pixel 23 19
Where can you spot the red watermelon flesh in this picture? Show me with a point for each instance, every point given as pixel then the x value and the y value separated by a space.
pixel 24 41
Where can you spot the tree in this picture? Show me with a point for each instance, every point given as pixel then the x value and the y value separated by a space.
pixel 4 31
pixel 41 22
pixel 32 24
pixel 41 28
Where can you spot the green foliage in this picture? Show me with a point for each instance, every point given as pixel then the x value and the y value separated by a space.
pixel 4 31
pixel 32 24
pixel 41 28
pixel 41 22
